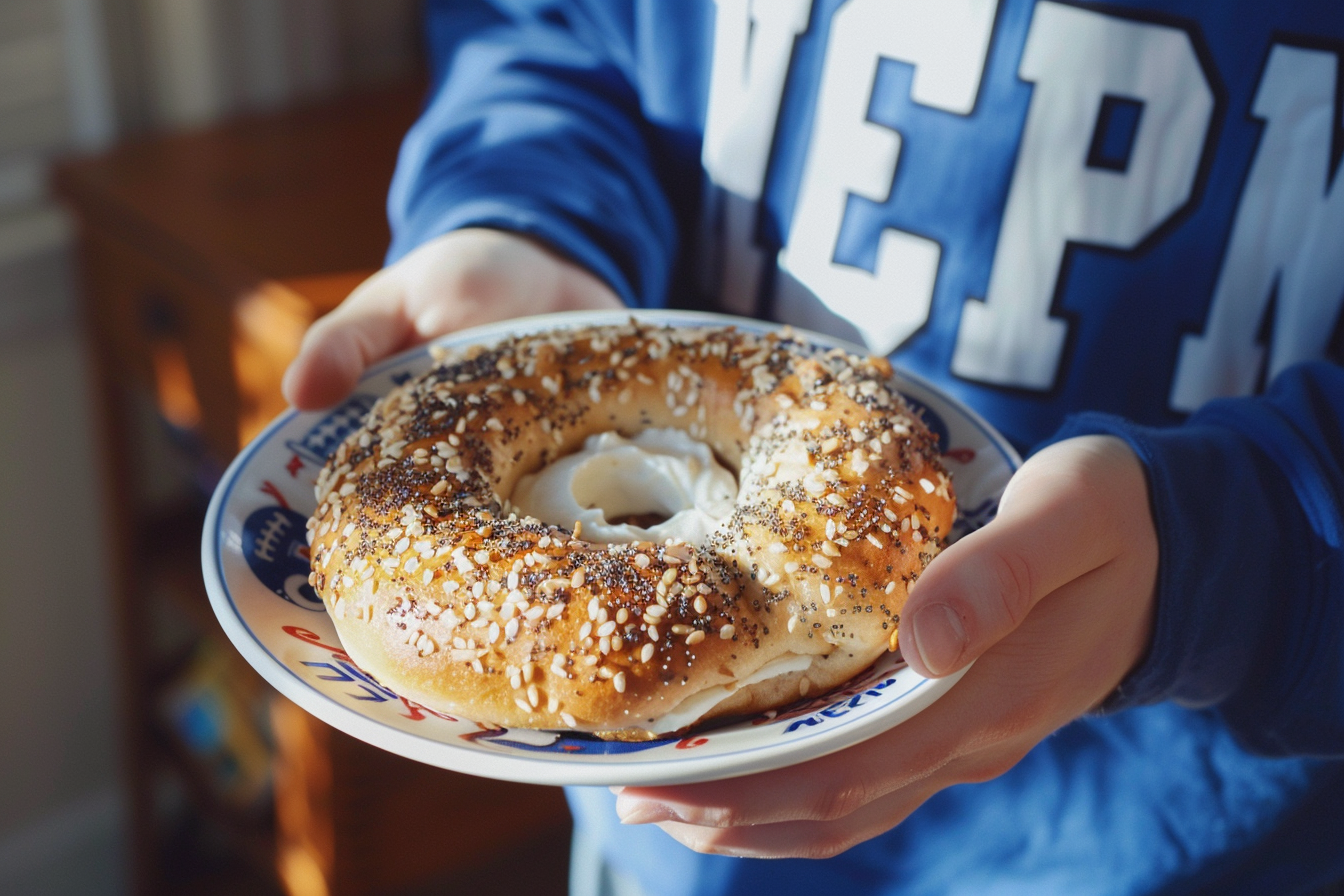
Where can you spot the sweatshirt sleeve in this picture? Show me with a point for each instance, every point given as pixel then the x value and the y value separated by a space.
pixel 1247 499
pixel 533 125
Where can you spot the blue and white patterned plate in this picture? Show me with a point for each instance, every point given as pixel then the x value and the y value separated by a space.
pixel 255 559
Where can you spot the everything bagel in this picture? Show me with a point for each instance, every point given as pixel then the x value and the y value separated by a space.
pixel 450 588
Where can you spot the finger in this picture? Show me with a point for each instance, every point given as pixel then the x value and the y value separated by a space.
pixel 826 789
pixel 1007 702
pixel 369 325
pixel 974 732
pixel 956 729
pixel 802 839
pixel 1056 522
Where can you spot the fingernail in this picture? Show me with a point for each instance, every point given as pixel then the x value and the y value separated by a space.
pixel 939 637
pixel 633 811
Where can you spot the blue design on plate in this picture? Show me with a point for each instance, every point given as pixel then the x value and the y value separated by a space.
pixel 276 547
pixel 971 518
pixel 321 440
pixel 932 420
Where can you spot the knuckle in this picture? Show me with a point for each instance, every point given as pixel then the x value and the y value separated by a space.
pixel 1032 717
pixel 837 802
pixel 725 816
pixel 988 769
pixel 456 284
pixel 930 758
pixel 989 764
pixel 324 328
pixel 1014 578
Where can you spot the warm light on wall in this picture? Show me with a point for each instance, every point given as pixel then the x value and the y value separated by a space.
pixel 301 874
pixel 175 391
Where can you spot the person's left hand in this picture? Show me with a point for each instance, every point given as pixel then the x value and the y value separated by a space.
pixel 1053 600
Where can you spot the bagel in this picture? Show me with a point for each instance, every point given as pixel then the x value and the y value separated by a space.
pixel 445 585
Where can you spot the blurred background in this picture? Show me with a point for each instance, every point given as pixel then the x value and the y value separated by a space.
pixel 184 186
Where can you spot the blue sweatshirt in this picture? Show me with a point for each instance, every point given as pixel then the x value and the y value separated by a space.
pixel 1078 217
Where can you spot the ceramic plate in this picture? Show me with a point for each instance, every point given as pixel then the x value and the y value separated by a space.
pixel 255 559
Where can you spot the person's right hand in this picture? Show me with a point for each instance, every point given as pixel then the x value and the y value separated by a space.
pixel 1054 600
pixel 461 279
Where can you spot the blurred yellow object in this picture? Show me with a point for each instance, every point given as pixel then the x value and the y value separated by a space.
pixel 218 713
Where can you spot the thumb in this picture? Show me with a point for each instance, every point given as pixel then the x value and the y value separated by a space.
pixel 1055 523
pixel 369 325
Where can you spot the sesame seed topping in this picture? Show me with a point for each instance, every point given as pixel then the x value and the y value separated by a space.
pixel 500 569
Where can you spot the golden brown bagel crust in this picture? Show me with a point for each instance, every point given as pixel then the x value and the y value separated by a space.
pixel 440 589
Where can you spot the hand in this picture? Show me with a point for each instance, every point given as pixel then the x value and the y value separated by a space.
pixel 461 279
pixel 1053 600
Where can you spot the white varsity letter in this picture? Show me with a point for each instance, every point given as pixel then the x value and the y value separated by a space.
pixel 1075 58
pixel 1289 232
pixel 753 42
pixel 946 41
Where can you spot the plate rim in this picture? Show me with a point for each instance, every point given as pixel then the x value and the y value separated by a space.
pixel 594 769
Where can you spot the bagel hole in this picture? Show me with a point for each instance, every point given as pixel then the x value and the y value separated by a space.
pixel 640 520
pixel 625 493
pixel 654 485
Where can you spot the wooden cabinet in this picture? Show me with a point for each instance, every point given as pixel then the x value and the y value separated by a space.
pixel 205 256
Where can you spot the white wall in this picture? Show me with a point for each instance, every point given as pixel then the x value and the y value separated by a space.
pixel 74 74
pixel 59 801
pixel 58 762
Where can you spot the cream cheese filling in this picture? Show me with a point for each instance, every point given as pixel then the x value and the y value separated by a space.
pixel 659 472
pixel 688 711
